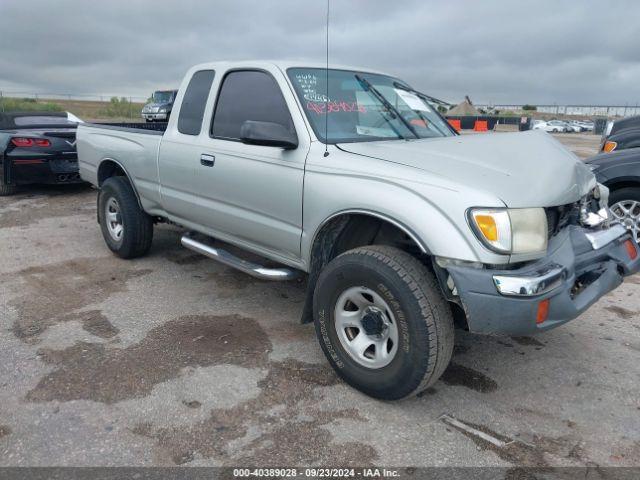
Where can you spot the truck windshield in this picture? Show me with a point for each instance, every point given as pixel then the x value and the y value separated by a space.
pixel 162 97
pixel 357 114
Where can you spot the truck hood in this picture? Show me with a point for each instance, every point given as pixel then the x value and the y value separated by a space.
pixel 528 169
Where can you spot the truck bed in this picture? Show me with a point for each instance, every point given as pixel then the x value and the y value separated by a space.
pixel 132 146
pixel 154 128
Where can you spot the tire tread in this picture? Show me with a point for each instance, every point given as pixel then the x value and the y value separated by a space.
pixel 138 224
pixel 6 190
pixel 434 310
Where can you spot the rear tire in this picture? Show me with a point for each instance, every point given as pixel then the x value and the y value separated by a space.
pixel 386 289
pixel 126 228
pixel 6 190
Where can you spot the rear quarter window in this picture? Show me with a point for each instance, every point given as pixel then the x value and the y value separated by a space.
pixel 194 102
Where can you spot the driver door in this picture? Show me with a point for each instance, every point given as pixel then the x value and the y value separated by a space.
pixel 252 193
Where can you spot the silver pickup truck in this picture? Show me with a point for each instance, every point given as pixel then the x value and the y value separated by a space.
pixel 404 228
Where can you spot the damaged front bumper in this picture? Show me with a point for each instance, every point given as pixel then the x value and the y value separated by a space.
pixel 582 265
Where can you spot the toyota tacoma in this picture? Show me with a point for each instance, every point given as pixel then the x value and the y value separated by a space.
pixel 403 228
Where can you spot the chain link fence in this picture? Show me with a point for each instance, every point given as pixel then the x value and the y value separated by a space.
pixel 609 111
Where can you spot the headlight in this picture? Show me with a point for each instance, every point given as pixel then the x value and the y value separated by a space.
pixel 507 231
pixel 163 110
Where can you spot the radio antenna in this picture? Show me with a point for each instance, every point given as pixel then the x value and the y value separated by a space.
pixel 326 98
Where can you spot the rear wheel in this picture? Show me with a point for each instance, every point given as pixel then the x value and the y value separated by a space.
pixel 126 228
pixel 625 206
pixel 382 322
pixel 6 190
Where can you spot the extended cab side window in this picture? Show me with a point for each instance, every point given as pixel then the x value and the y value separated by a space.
pixel 248 95
pixel 194 101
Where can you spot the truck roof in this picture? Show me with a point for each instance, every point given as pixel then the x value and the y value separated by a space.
pixel 282 64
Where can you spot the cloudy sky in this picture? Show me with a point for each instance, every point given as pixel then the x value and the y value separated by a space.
pixel 539 51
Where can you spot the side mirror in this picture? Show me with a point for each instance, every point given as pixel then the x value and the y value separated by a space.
pixel 269 134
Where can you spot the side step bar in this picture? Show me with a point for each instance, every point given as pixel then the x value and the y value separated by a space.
pixel 231 260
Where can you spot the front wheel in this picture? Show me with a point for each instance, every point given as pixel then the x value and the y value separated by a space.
pixel 625 206
pixel 382 322
pixel 126 228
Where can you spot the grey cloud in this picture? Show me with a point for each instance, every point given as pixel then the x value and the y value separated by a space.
pixel 502 51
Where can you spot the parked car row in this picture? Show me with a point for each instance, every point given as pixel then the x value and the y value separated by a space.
pixel 560 126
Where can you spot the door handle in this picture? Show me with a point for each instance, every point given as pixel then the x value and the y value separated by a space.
pixel 207 160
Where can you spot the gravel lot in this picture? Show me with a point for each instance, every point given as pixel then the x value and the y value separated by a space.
pixel 175 359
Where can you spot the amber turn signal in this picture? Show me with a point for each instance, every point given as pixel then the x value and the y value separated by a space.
pixel 543 311
pixel 609 146
pixel 632 251
pixel 488 227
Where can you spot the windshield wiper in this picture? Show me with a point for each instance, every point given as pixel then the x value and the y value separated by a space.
pixel 423 96
pixel 428 99
pixel 392 110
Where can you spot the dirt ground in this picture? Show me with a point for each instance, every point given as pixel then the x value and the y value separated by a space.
pixel 584 145
pixel 174 359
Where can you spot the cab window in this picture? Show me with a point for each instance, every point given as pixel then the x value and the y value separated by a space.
pixel 248 95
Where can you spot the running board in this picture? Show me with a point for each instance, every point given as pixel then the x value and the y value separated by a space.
pixel 231 260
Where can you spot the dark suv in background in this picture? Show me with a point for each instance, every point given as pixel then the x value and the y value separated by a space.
pixel 159 109
pixel 620 172
pixel 621 134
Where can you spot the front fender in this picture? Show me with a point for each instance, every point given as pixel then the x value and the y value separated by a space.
pixel 434 216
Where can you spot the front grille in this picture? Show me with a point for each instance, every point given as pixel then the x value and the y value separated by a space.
pixel 561 217
pixel 552 221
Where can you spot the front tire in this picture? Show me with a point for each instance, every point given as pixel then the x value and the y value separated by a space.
pixel 126 228
pixel 625 206
pixel 382 322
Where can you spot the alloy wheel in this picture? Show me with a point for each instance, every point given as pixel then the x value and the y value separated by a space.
pixel 628 213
